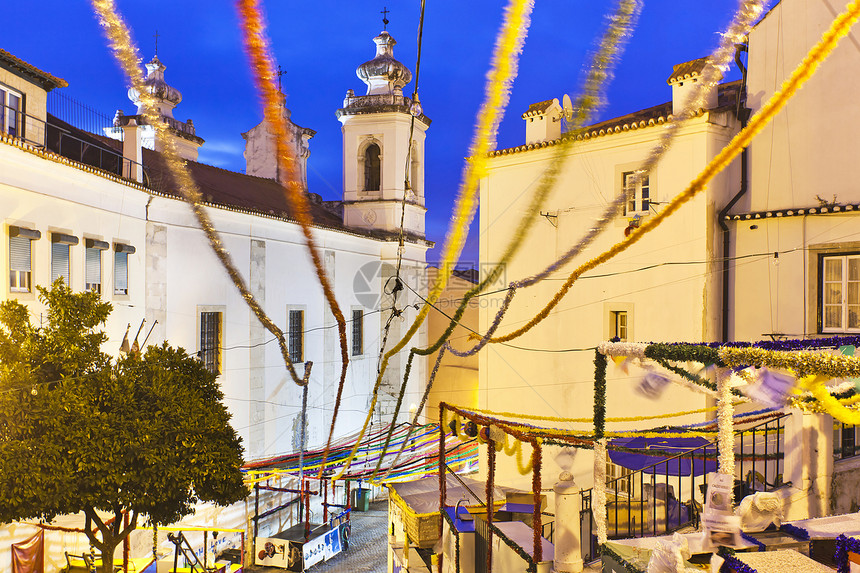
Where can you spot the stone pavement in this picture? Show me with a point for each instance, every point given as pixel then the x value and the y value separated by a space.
pixel 368 545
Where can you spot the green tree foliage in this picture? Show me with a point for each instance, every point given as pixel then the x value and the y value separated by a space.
pixel 140 435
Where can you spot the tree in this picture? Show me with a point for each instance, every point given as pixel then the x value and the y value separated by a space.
pixel 83 432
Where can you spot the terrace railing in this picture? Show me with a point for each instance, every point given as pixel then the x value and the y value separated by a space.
pixel 88 150
pixel 668 495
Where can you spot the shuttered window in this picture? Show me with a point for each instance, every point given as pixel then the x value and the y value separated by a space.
pixel 296 335
pixel 19 264
pixel 120 273
pixel 93 270
pixel 357 332
pixel 59 262
pixel 210 341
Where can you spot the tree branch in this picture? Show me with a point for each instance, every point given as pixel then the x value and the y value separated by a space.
pixel 92 516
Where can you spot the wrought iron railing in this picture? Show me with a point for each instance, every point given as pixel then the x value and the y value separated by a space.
pixel 53 136
pixel 668 495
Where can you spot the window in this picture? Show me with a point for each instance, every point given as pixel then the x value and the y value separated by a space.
pixel 210 341
pixel 20 258
pixel 60 266
pixel 840 293
pixel 93 264
pixel 296 332
pixel 638 194
pixel 618 321
pixel 618 325
pixel 120 267
pixel 613 473
pixel 357 332
pixel 372 168
pixel 10 111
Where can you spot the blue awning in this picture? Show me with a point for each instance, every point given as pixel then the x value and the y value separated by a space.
pixel 661 463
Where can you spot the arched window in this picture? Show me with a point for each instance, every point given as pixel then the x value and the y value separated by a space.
pixel 371 168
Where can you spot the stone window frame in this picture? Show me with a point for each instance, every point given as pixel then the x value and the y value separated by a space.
pixel 219 356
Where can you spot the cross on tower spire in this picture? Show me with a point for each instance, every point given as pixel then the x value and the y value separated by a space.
pixel 384 13
pixel 156 42
pixel 281 72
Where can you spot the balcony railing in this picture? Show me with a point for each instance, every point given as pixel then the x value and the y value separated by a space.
pixel 87 149
pixel 660 499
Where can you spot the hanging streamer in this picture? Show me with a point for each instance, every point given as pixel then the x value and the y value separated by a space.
pixel 503 70
pixel 257 45
pixel 599 74
pixel 126 54
pixel 839 28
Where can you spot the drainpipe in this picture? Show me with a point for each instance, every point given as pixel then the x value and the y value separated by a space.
pixel 742 114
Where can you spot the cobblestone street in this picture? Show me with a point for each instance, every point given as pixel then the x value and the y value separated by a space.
pixel 368 545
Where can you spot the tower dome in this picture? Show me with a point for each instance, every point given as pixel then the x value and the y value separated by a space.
pixel 168 96
pixel 383 74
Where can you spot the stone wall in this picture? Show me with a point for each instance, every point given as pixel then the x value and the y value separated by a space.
pixel 845 491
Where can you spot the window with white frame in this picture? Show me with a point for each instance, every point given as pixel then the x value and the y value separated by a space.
pixel 618 325
pixel 296 334
pixel 93 264
pixel 840 293
pixel 60 256
pixel 613 474
pixel 357 332
pixel 21 258
pixel 638 193
pixel 120 267
pixel 211 329
pixel 11 109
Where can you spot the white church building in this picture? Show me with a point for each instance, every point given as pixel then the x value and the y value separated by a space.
pixel 101 211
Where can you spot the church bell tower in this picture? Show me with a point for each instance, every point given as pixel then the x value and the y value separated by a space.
pixel 378 168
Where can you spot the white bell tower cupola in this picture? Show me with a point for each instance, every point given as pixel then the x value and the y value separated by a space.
pixel 379 167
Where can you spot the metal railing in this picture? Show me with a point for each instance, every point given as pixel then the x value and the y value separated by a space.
pixel 668 495
pixel 60 140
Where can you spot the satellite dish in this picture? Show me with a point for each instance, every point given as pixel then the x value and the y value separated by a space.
pixel 567 106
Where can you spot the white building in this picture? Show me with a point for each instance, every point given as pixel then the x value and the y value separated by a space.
pixel 105 215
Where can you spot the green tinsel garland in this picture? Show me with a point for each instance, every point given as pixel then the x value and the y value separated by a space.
pixel 599 394
pixel 684 353
pixel 532 564
pixel 456 541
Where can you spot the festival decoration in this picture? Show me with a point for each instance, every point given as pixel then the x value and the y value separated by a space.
pixel 502 73
pixel 839 28
pixel 126 54
pixel 598 76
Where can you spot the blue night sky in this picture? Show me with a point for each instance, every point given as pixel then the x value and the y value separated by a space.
pixel 320 43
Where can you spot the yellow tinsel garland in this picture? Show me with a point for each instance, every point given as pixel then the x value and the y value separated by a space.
pixel 509 44
pixel 840 26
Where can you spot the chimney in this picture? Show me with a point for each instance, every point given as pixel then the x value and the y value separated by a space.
pixel 543 121
pixel 684 79
pixel 132 151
